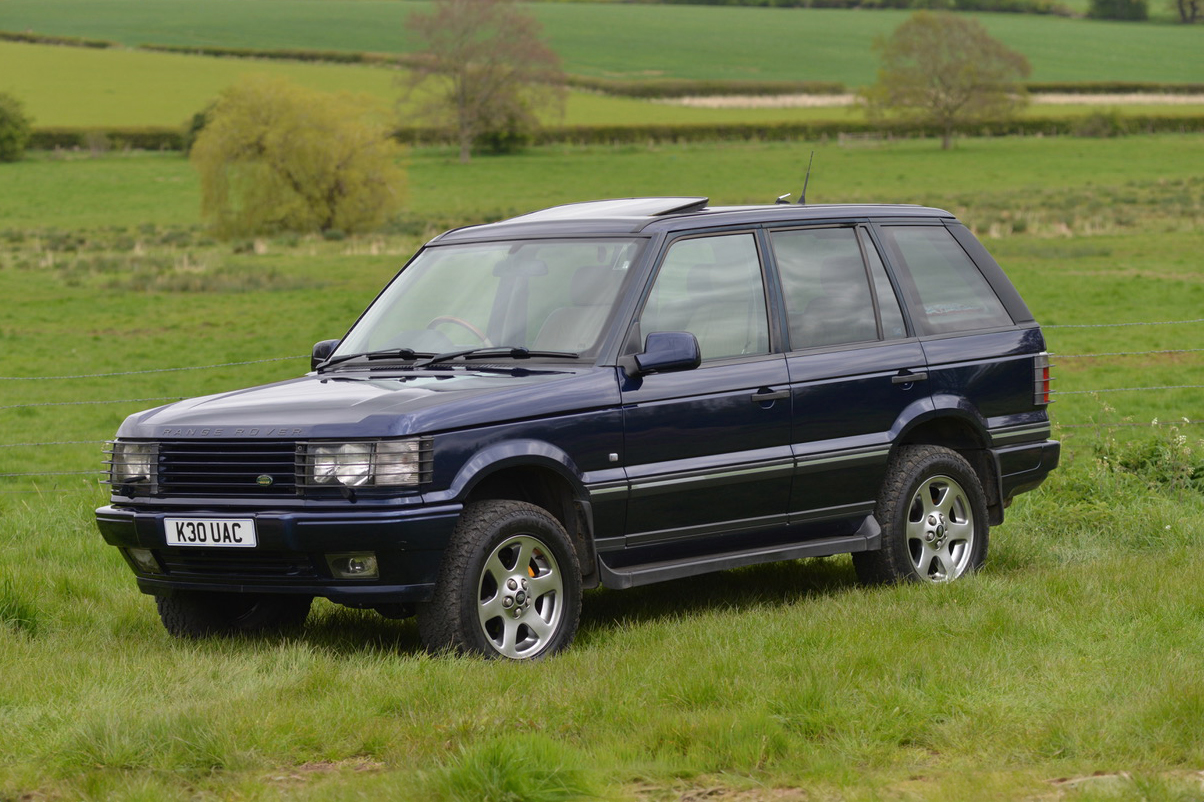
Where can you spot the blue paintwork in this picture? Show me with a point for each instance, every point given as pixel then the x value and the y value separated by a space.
pixel 759 452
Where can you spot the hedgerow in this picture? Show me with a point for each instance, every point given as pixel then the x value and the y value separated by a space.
pixel 152 138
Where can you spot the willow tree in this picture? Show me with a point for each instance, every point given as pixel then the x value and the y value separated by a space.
pixel 483 71
pixel 276 156
pixel 945 70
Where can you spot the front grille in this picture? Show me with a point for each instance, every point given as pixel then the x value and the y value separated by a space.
pixel 245 565
pixel 239 468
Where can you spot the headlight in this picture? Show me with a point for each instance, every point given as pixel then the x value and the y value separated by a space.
pixel 132 464
pixel 382 463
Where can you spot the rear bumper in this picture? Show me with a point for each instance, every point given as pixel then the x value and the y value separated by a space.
pixel 1023 467
pixel 291 554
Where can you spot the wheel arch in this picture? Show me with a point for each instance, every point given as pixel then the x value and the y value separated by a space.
pixel 537 473
pixel 955 425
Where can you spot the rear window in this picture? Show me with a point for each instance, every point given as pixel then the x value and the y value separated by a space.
pixel 948 292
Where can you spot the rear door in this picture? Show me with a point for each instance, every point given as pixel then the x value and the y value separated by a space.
pixel 855 369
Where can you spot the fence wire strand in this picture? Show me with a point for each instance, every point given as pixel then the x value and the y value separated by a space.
pixel 90 403
pixel 1120 325
pixel 149 370
pixel 1055 355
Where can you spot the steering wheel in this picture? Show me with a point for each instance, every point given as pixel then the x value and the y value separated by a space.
pixel 480 335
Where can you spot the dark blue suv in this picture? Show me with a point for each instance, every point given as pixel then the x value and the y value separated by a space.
pixel 608 393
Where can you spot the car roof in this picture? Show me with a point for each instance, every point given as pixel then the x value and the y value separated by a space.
pixel 637 215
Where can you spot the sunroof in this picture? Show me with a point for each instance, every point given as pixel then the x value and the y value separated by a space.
pixel 619 207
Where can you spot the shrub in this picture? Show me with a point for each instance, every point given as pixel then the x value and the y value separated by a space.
pixel 1101 124
pixel 14 129
pixel 1119 9
pixel 1169 459
pixel 193 128
pixel 275 156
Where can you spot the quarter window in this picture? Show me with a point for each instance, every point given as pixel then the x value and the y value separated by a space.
pixel 950 292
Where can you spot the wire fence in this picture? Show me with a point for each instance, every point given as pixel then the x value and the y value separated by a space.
pixel 1055 356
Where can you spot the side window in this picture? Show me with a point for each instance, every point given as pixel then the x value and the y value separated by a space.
pixel 950 292
pixel 889 311
pixel 826 288
pixel 711 287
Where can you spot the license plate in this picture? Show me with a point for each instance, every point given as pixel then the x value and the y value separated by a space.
pixel 230 532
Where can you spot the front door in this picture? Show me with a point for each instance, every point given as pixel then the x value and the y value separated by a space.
pixel 707 451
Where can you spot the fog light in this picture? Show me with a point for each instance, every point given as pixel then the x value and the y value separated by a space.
pixel 145 560
pixel 358 565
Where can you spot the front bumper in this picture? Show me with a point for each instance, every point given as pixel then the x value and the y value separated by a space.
pixel 291 553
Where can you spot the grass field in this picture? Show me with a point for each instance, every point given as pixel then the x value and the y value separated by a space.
pixel 1070 669
pixel 633 40
pixel 82 87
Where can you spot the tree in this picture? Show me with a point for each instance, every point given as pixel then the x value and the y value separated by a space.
pixel 945 70
pixel 275 156
pixel 1189 10
pixel 14 129
pixel 491 70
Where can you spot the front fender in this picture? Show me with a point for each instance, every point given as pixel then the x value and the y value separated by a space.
pixel 525 453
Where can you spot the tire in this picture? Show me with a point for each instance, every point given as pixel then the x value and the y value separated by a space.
pixel 933 514
pixel 510 585
pixel 198 614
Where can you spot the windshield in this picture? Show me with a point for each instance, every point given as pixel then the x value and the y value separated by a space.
pixel 543 295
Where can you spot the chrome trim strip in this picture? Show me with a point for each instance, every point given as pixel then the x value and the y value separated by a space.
pixel 671 480
pixel 847 456
pixel 1027 432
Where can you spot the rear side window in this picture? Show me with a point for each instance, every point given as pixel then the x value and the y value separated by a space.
pixel 948 293
pixel 829 299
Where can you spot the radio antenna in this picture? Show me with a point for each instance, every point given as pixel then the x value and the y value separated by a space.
pixel 802 199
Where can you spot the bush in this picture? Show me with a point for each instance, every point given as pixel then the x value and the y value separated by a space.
pixel 1119 9
pixel 1169 459
pixel 1101 124
pixel 14 129
pixel 65 41
pixel 193 128
pixel 133 138
pixel 275 156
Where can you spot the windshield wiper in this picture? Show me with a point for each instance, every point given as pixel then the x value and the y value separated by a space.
pixel 384 353
pixel 514 352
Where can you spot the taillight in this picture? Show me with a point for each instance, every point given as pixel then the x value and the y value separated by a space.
pixel 1041 379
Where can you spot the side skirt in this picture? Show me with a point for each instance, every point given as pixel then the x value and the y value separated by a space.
pixel 868 537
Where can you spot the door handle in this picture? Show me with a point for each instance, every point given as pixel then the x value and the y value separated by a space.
pixel 769 395
pixel 908 378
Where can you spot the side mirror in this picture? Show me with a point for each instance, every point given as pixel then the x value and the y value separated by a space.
pixel 322 352
pixel 667 351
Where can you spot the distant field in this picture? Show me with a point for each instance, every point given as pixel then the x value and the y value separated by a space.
pixel 632 40
pixel 63 86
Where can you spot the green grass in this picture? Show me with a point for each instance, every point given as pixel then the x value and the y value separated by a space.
pixel 1070 669
pixel 63 86
pixel 633 40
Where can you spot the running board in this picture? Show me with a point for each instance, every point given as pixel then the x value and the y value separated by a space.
pixel 867 538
